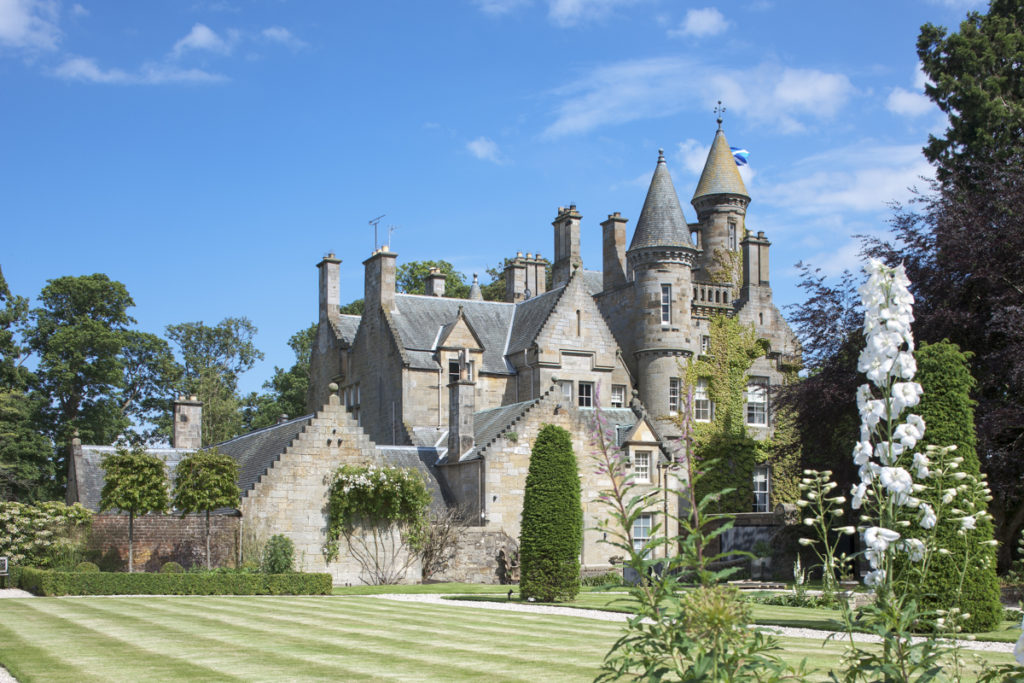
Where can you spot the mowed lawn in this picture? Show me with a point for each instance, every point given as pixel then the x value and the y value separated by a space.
pixel 306 638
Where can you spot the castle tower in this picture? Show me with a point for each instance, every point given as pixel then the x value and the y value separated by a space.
pixel 659 260
pixel 721 202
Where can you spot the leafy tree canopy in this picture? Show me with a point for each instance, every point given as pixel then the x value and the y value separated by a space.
pixel 204 481
pixel 411 278
pixel 976 79
pixel 286 391
pixel 134 482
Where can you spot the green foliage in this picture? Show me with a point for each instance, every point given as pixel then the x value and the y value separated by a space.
pixel 44 582
pixel 353 307
pixel 214 357
pixel 411 278
pixel 608 580
pixel 134 482
pixel 374 496
pixel 31 534
pixel 171 568
pixel 286 390
pixel 204 481
pixel 735 458
pixel 27 469
pixel 552 524
pixel 278 555
pixel 975 79
pixel 948 412
pixel 87 567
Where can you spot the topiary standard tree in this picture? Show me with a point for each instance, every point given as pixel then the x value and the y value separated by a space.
pixel 551 533
pixel 948 412
pixel 205 481
pixel 134 482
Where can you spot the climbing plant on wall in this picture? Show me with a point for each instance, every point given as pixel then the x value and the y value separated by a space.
pixel 724 438
pixel 381 513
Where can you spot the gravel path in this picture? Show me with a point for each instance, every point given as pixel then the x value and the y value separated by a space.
pixel 788 631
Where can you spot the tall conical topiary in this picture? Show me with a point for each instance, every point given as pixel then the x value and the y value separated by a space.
pixel 948 412
pixel 551 533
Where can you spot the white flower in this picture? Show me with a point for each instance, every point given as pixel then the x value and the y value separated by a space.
pixel 928 517
pixel 862 452
pixel 898 482
pixel 888 452
pixel 878 538
pixel 848 530
pixel 809 521
pixel 908 433
pixel 806 541
pixel 921 464
pixel 948 495
pixel 874 578
pixel 914 548
pixel 905 395
pixel 858 493
pixel 967 522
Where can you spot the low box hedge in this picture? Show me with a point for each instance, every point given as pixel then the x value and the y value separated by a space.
pixel 46 582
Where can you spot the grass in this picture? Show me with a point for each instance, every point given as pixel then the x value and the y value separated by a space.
pixel 303 638
pixel 430 588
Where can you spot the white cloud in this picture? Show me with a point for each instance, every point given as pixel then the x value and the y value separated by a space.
pixel 862 178
pixel 279 34
pixel 699 23
pixel 693 155
pixel 910 102
pixel 201 37
pixel 485 149
pixel 79 11
pixel 30 24
pixel 87 70
pixel 500 6
pixel 572 12
pixel 651 88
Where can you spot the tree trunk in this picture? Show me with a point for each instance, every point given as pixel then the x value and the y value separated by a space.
pixel 208 539
pixel 131 538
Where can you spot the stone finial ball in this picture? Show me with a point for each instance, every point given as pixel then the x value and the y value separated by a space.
pixel 332 387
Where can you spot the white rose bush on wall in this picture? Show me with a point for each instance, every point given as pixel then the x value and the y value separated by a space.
pixel 905 492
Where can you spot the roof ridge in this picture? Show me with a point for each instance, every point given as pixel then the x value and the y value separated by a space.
pixel 533 403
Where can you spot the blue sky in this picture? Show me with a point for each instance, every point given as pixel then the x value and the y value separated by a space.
pixel 208 153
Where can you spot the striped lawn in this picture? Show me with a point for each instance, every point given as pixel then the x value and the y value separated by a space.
pixel 304 638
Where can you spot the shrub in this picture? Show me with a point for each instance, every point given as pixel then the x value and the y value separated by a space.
pixel 46 582
pixel 87 568
pixel 172 568
pixel 38 535
pixel 552 523
pixel 948 412
pixel 279 555
pixel 609 580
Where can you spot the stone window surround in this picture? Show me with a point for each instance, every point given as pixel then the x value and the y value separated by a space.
pixel 666 304
pixel 675 392
pixel 618 397
pixel 585 394
pixel 757 402
pixel 762 488
pixel 703 407
pixel 642 466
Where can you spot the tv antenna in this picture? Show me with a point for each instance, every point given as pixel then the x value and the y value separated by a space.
pixel 375 222
pixel 391 229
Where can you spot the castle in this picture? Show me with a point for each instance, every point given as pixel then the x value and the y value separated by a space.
pixel 459 388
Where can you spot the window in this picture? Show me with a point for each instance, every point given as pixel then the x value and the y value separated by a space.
pixel 757 401
pixel 641 533
pixel 674 388
pixel 586 395
pixel 469 370
pixel 566 387
pixel 761 489
pixel 453 370
pixel 733 246
pixel 703 408
pixel 666 304
pixel 618 395
pixel 705 343
pixel 642 466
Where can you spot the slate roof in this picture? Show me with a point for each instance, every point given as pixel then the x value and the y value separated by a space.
pixel 347 326
pixel 422 460
pixel 661 222
pixel 419 319
pixel 593 280
pixel 256 451
pixel 89 473
pixel 720 175
pixel 530 317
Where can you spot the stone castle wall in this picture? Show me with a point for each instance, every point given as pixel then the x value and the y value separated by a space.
pixel 164 538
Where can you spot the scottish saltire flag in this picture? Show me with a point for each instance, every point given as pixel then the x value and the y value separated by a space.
pixel 740 155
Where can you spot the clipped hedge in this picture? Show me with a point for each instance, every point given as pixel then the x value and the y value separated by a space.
pixel 46 582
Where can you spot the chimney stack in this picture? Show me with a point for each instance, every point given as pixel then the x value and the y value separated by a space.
pixel 461 406
pixel 330 287
pixel 188 423
pixel 379 288
pixel 614 248
pixel 435 282
pixel 567 244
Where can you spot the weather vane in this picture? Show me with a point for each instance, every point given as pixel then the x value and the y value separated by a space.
pixel 719 113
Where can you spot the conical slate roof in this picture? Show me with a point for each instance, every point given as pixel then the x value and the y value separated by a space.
pixel 720 174
pixel 661 222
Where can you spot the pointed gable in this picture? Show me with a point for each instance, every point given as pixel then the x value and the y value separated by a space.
pixel 459 334
pixel 720 175
pixel 661 222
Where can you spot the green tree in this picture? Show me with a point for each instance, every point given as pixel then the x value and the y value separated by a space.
pixel 353 307
pixel 134 482
pixel 976 80
pixel 411 278
pixel 213 358
pixel 286 390
pixel 26 471
pixel 205 481
pixel 944 373
pixel 551 534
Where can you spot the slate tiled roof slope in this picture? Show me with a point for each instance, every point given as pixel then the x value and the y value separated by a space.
pixel 256 451
pixel 720 175
pixel 422 460
pixel 530 317
pixel 418 320
pixel 89 474
pixel 661 222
